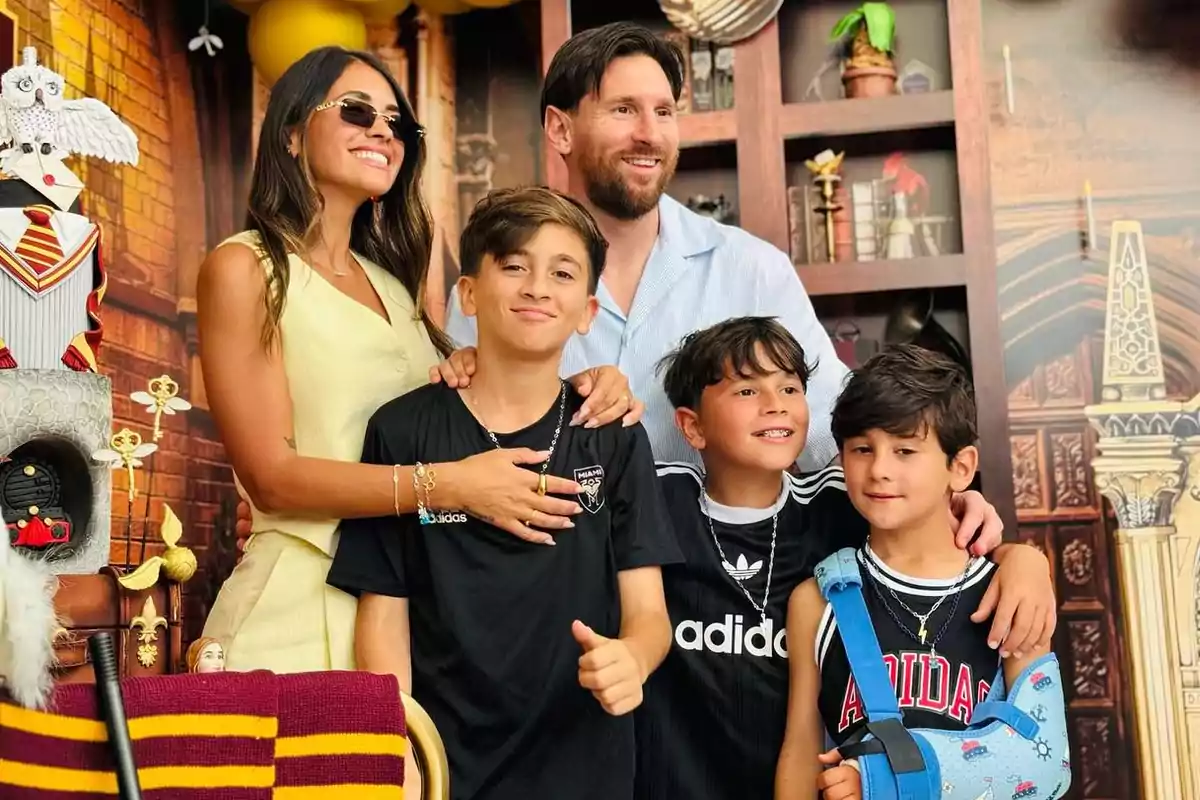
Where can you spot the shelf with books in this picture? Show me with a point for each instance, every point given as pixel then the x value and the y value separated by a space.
pixel 886 275
pixel 707 128
pixel 867 115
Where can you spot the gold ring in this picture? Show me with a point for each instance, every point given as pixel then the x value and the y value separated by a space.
pixel 542 484
pixel 628 400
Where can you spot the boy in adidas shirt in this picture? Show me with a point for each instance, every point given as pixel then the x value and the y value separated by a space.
pixel 905 425
pixel 528 657
pixel 714 713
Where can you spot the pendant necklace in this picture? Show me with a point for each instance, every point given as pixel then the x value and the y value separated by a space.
pixel 562 405
pixel 761 609
pixel 922 632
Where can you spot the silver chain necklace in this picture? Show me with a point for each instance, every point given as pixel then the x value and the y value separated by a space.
pixel 562 406
pixel 762 610
pixel 922 631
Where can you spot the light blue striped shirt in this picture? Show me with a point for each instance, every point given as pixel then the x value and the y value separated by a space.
pixel 699 273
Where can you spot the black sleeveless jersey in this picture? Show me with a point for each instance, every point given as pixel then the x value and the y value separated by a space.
pixel 937 689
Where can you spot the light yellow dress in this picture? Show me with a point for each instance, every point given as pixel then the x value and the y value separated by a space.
pixel 343 361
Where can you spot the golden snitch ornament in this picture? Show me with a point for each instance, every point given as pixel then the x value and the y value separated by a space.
pixel 178 562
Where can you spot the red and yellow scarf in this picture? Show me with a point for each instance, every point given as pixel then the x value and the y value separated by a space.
pixel 228 736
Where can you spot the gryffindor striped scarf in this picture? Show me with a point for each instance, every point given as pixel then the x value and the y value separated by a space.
pixel 232 736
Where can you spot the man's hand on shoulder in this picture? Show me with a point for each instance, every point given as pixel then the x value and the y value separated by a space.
pixel 972 517
pixel 456 370
pixel 1020 602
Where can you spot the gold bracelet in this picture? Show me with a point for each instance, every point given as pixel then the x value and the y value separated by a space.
pixel 425 478
pixel 396 488
pixel 422 512
pixel 430 480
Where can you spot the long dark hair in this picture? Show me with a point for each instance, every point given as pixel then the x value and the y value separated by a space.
pixel 395 232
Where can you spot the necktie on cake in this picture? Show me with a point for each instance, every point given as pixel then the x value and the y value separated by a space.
pixel 39 244
pixel 40 249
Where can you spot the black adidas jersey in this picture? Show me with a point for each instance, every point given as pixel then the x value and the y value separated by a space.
pixel 933 692
pixel 712 721
pixel 493 658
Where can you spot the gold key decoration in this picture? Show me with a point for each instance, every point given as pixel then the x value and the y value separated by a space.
pixel 162 398
pixel 125 451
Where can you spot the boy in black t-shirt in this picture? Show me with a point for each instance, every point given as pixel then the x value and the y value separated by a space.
pixel 905 424
pixel 527 657
pixel 715 711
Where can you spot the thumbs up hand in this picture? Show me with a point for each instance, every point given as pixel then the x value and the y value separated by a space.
pixel 609 670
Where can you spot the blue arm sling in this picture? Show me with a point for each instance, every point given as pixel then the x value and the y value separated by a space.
pixel 1015 746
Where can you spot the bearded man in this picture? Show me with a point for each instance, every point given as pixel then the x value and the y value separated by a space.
pixel 608 108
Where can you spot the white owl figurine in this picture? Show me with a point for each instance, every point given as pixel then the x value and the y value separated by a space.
pixel 34 115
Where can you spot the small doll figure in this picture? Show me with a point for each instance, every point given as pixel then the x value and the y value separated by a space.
pixel 205 655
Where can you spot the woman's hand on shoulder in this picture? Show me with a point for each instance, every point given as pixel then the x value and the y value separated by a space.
pixel 491 487
pixel 608 398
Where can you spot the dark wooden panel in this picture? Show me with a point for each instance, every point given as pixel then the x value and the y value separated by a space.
pixel 762 188
pixel 975 196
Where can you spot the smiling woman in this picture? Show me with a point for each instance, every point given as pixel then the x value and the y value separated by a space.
pixel 309 321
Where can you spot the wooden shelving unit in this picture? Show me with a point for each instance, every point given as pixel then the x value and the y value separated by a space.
pixel 761 123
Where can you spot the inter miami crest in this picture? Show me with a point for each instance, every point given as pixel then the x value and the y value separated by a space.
pixel 592 481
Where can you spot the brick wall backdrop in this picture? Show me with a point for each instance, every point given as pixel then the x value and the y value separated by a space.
pixel 127 55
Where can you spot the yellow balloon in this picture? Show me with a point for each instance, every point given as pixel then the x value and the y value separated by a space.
pixel 284 31
pixel 444 7
pixel 380 10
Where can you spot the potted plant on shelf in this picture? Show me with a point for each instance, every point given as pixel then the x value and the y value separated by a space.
pixel 869 71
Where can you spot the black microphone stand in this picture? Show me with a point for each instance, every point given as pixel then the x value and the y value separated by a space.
pixel 112 709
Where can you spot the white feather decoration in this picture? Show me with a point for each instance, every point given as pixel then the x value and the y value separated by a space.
pixel 27 626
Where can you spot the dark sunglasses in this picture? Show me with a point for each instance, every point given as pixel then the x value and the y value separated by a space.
pixel 362 115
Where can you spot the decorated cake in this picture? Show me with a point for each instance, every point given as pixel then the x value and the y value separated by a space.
pixel 55 407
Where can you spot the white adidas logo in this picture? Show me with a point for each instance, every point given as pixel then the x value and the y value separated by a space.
pixel 730 637
pixel 742 570
pixel 444 516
